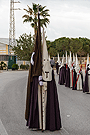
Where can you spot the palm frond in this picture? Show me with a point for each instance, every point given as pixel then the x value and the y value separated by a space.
pixel 33 14
pixel 35 8
pixel 42 8
pixel 29 11
pixel 33 25
pixel 27 18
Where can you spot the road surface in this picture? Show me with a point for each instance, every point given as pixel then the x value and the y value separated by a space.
pixel 74 107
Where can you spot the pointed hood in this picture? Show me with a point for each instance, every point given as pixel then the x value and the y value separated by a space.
pixel 77 64
pixel 76 60
pixel 70 56
pixel 47 70
pixel 73 58
pixel 66 58
pixel 62 64
pixel 87 59
pixel 70 61
pixel 58 59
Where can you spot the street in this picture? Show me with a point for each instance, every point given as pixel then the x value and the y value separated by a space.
pixel 74 107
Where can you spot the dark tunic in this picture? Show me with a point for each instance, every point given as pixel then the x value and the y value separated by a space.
pixel 62 76
pixel 33 119
pixel 82 78
pixel 67 81
pixel 57 67
pixel 85 86
pixel 53 119
pixel 74 80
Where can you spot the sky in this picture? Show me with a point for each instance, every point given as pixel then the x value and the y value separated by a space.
pixel 68 18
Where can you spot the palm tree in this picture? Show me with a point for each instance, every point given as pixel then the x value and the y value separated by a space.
pixel 32 16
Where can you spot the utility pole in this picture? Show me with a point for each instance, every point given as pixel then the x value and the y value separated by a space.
pixel 12 41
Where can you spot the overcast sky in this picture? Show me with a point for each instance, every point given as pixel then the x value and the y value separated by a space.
pixel 68 18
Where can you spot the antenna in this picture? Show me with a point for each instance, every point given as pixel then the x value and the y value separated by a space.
pixel 12 41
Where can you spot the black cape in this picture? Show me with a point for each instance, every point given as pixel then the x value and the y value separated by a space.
pixel 67 81
pixel 62 75
pixel 74 80
pixel 85 86
pixel 57 67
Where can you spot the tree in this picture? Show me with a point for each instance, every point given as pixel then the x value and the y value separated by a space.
pixel 24 47
pixel 33 14
pixel 81 46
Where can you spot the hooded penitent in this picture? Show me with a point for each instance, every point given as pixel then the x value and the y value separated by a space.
pixel 42 106
pixel 67 81
pixel 86 87
pixel 70 67
pixel 32 112
pixel 58 64
pixel 53 120
pixel 62 72
pixel 79 80
pixel 46 76
pixel 70 61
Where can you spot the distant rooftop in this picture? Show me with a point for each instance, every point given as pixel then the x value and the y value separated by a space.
pixel 4 41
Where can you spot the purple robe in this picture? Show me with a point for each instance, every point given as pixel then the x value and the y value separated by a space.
pixel 57 67
pixel 53 119
pixel 62 76
pixel 85 87
pixel 33 120
pixel 74 80
pixel 67 81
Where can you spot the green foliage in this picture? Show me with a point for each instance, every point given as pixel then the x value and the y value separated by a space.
pixel 24 48
pixel 24 66
pixel 3 66
pixel 15 67
pixel 81 46
pixel 32 16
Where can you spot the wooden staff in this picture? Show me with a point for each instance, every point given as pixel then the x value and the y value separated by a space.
pixel 41 108
pixel 40 86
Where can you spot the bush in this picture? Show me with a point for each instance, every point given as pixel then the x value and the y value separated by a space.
pixel 24 66
pixel 27 66
pixel 15 67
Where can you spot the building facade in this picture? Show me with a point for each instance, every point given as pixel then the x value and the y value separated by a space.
pixel 7 55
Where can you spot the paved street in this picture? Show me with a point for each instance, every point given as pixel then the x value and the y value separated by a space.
pixel 74 107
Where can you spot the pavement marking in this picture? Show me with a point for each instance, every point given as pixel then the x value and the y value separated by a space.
pixel 68 115
pixel 64 131
pixel 2 129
